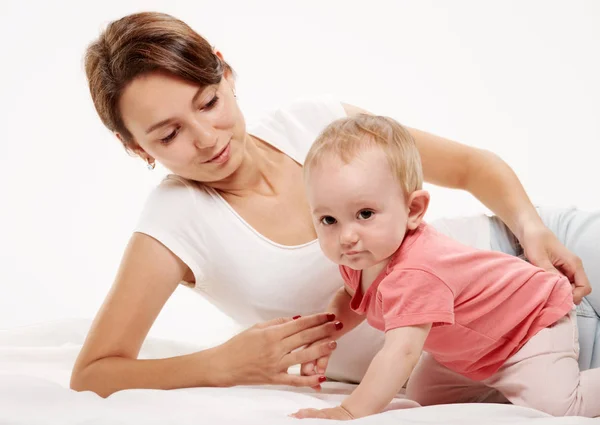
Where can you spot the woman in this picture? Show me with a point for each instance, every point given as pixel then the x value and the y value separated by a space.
pixel 232 221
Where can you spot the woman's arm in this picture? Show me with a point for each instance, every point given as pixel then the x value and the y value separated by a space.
pixel 148 275
pixel 487 177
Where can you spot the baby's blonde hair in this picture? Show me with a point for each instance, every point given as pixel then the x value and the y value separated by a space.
pixel 345 138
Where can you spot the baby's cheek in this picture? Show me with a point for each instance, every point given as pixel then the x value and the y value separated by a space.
pixel 388 242
pixel 329 248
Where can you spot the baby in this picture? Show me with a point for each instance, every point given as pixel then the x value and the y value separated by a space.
pixel 486 321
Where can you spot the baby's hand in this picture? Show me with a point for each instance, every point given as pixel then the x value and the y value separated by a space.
pixel 337 413
pixel 315 367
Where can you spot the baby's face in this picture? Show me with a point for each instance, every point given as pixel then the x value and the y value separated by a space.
pixel 358 209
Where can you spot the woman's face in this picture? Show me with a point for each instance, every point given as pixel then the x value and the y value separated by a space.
pixel 196 132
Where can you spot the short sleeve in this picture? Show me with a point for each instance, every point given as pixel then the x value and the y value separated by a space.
pixel 168 217
pixel 349 277
pixel 297 124
pixel 415 297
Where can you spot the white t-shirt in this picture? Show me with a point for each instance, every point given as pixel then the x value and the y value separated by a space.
pixel 247 276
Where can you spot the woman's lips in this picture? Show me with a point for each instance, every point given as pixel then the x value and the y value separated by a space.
pixel 220 157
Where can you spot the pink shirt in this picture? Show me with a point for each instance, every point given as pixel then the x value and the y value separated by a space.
pixel 484 305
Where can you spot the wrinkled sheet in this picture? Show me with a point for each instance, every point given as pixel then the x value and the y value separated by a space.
pixel 36 361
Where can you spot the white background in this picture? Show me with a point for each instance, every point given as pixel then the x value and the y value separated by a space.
pixel 520 78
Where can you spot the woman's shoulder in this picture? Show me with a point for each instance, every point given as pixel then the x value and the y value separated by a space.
pixel 175 200
pixel 299 122
pixel 176 190
pixel 170 215
pixel 316 108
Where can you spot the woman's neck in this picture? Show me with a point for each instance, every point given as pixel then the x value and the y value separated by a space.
pixel 257 174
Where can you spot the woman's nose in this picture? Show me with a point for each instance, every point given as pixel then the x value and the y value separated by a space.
pixel 204 136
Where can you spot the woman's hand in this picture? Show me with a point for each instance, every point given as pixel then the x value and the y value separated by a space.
pixel 543 249
pixel 262 354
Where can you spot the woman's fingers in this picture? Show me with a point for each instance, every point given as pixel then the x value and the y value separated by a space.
pixel 309 354
pixel 295 326
pixel 299 381
pixel 311 335
pixel 573 269
pixel 543 249
pixel 275 322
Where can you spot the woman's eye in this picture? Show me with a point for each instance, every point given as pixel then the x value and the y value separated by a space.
pixel 365 214
pixel 212 102
pixel 170 137
pixel 328 220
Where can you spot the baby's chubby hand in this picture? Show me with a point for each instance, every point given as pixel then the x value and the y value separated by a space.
pixel 315 367
pixel 336 413
pixel 319 366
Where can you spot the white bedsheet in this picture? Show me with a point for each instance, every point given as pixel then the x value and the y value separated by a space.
pixel 35 364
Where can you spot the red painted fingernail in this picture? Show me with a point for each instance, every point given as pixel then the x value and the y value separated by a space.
pixel 339 325
pixel 296 317
pixel 330 317
pixel 322 379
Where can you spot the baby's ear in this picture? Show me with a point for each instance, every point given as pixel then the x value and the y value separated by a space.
pixel 418 201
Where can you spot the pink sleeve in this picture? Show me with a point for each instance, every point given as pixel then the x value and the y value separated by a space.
pixel 415 297
pixel 348 275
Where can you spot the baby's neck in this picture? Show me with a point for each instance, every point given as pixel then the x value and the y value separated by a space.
pixel 368 275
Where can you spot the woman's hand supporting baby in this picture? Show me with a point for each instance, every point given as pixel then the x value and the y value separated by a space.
pixel 263 353
pixel 346 321
pixel 543 249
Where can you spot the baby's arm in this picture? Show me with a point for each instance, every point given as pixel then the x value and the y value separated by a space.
pixel 388 372
pixel 340 306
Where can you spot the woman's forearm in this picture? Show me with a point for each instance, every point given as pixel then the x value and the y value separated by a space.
pixel 482 173
pixel 111 374
pixel 496 185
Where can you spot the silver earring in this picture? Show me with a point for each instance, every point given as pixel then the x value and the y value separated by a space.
pixel 151 165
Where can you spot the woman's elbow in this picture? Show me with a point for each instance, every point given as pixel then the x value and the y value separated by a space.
pixel 479 164
pixel 78 380
pixel 82 381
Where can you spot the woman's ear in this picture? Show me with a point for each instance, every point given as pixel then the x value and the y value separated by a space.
pixel 135 149
pixel 227 73
pixel 418 201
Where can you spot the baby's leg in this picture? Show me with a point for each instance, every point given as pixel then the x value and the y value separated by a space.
pixel 431 383
pixel 545 374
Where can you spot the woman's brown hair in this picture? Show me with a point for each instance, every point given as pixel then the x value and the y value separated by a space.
pixel 139 44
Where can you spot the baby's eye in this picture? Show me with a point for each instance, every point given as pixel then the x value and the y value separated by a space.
pixel 365 214
pixel 328 220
